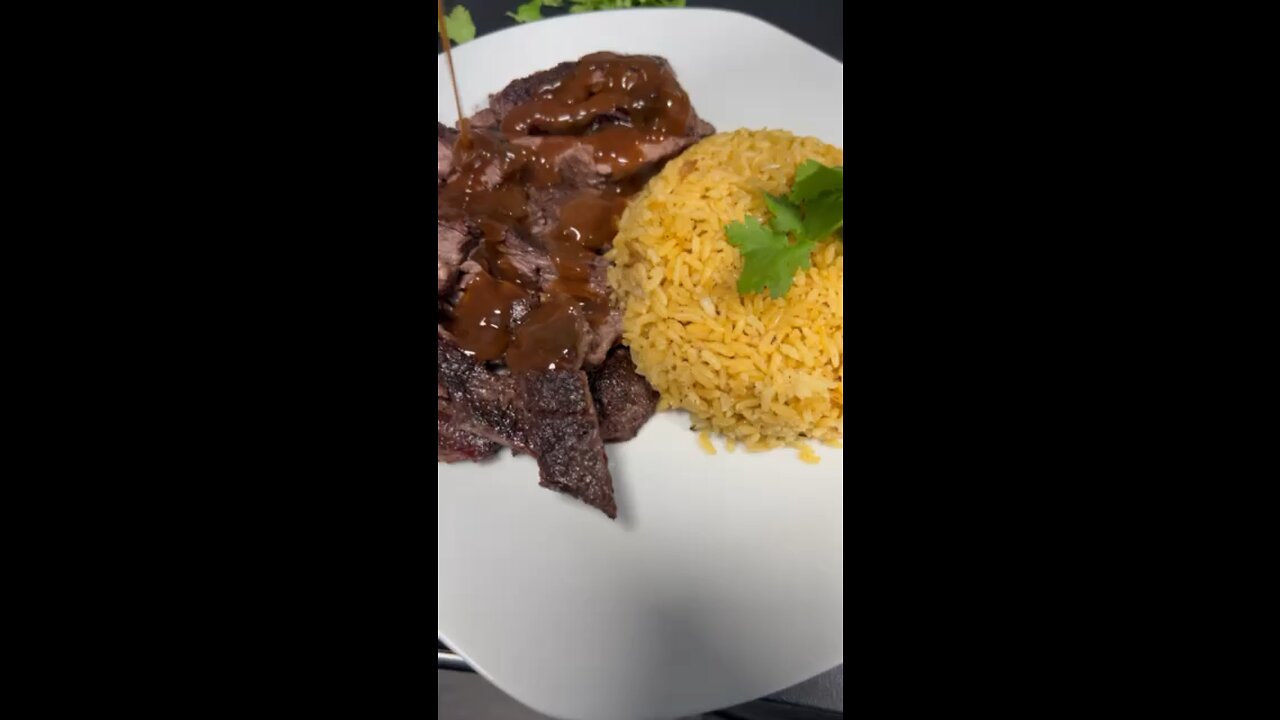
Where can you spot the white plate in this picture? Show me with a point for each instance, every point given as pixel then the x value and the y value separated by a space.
pixel 723 578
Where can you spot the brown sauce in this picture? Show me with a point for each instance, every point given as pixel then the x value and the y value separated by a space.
pixel 620 108
pixel 590 221
pixel 482 318
pixel 497 263
pixel 549 337
pixel 604 83
pixel 623 149
pixel 540 160
pixel 494 172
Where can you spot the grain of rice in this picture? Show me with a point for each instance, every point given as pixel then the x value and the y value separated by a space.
pixel 704 439
pixel 806 453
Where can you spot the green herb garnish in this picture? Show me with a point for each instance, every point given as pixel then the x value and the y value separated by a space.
pixel 581 6
pixel 811 212
pixel 532 10
pixel 459 26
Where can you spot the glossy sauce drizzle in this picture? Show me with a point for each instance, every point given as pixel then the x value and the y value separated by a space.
pixel 483 187
pixel 640 89
pixel 483 317
pixel 550 337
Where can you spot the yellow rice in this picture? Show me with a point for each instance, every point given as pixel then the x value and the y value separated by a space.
pixel 764 372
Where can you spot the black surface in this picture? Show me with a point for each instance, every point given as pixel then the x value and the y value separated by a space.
pixel 466 696
pixel 818 22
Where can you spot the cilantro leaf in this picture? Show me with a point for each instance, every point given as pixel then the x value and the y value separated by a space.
pixel 786 215
pixel 820 189
pixel 581 6
pixel 769 259
pixel 823 215
pixel 532 10
pixel 749 235
pixel 813 179
pixel 527 12
pixel 458 24
pixel 812 211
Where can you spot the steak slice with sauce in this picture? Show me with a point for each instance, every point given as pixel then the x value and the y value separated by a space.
pixel 453 242
pixel 573 160
pixel 525 218
pixel 549 414
pixel 603 336
pixel 521 258
pixel 479 400
pixel 519 92
pixel 445 138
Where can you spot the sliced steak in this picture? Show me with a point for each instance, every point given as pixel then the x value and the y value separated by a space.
pixel 604 336
pixel 544 208
pixel 454 444
pixel 445 138
pixel 572 159
pixel 553 337
pixel 484 120
pixel 528 88
pixel 527 218
pixel 605 333
pixel 550 415
pixel 453 242
pixel 564 435
pixel 518 92
pixel 520 258
pixel 579 163
pixel 663 150
pixel 481 401
pixel 468 271
pixel 624 400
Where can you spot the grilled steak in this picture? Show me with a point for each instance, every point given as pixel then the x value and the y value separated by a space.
pixel 520 259
pixel 445 138
pixel 480 401
pixel 548 414
pixel 624 400
pixel 453 242
pixel 565 437
pixel 527 206
pixel 538 85
pixel 604 336
pixel 453 444
pixel 521 91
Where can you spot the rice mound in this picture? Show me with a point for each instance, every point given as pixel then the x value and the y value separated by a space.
pixel 761 371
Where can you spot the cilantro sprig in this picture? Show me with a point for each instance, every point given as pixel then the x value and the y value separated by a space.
pixel 811 212
pixel 459 25
pixel 532 10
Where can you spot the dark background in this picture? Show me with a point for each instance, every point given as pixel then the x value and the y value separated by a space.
pixel 464 695
pixel 818 22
